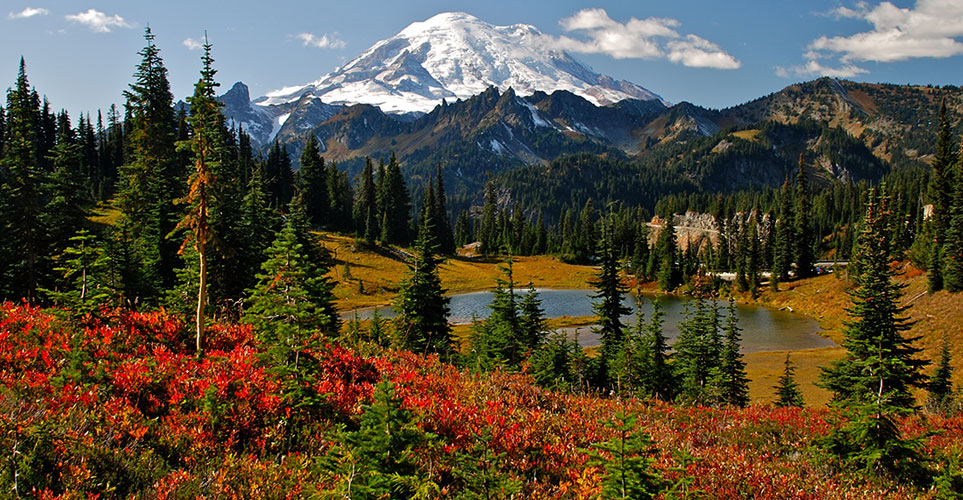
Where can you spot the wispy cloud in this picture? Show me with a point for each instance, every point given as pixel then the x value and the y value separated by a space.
pixel 98 21
pixel 929 29
pixel 321 42
pixel 650 38
pixel 28 12
pixel 192 44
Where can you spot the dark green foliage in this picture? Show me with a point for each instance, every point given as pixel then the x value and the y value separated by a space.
pixel 444 235
pixel 314 183
pixel 463 231
pixel 627 461
pixel 278 176
pixel 88 281
pixel 666 256
pixel 531 319
pixel 292 305
pixel 366 207
pixel 484 473
pixel 422 323
pixel 880 360
pixel 787 389
pixel 153 178
pixel 803 227
pixel 610 291
pixel 952 250
pixel 487 231
pixel 697 352
pixel 500 340
pixel 395 206
pixel 942 396
pixel 729 380
pixel 940 194
pixel 783 251
pixel 379 459
pixel 657 380
pixel 558 363
pixel 872 385
pixel 21 199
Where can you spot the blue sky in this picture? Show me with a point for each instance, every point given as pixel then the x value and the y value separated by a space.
pixel 82 53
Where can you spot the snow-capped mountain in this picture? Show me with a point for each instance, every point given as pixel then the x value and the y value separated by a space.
pixel 455 56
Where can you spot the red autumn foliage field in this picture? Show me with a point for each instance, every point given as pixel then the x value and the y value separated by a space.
pixel 119 405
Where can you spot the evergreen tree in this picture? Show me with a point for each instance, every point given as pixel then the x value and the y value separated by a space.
pixel 730 380
pixel 278 176
pixel 666 257
pixel 787 389
pixel 627 461
pixel 498 341
pixel 341 197
pixel 463 232
pixel 258 226
pixel 292 302
pixel 422 324
pixel 531 319
pixel 940 195
pixel 880 361
pixel 952 249
pixel 314 183
pixel 697 351
pixel 753 257
pixel 446 239
pixel 69 201
pixel 610 290
pixel 207 124
pixel 23 181
pixel 783 251
pixel 397 206
pixel 487 232
pixel 379 460
pixel 803 227
pixel 657 380
pixel 86 270
pixel 941 391
pixel 366 208
pixel 872 384
pixel 153 179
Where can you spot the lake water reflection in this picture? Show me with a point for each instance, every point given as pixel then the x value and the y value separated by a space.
pixel 763 329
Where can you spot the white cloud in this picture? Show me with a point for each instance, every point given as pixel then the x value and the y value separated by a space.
pixel 28 12
pixel 98 21
pixel 650 38
pixel 321 42
pixel 192 44
pixel 929 29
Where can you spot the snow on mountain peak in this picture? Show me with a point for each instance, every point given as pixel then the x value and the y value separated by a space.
pixel 454 55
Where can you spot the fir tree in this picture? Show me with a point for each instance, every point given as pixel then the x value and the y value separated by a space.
pixel 879 357
pixel 499 340
pixel 154 178
pixel 657 380
pixel 627 461
pixel 314 183
pixel 446 239
pixel 422 324
pixel 782 251
pixel 366 208
pixel 872 384
pixel 940 386
pixel 86 270
pixel 730 380
pixel 487 232
pixel 666 256
pixel 803 227
pixel 952 249
pixel 610 290
pixel 787 389
pixel 531 320
pixel 207 123
pixel 463 232
pixel 940 195
pixel 292 302
pixel 697 351
pixel 379 459
pixel 69 203
pixel 22 189
pixel 396 207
